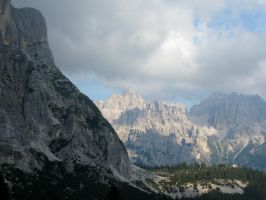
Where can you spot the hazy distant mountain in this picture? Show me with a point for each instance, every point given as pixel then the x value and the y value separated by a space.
pixel 221 129
pixel 241 122
pixel 221 110
pixel 156 133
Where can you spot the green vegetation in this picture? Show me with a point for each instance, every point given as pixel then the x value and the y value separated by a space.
pixel 186 173
pixel 183 174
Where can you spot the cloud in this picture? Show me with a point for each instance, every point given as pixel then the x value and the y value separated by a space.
pixel 160 47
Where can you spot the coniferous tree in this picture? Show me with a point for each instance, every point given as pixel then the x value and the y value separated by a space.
pixel 113 194
pixel 3 189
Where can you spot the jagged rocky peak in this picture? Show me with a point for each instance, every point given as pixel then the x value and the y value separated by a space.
pixel 224 128
pixel 43 116
pixel 221 110
pixel 130 97
pixel 155 133
pixel 129 92
pixel 15 32
pixel 120 108
pixel 119 103
pixel 130 100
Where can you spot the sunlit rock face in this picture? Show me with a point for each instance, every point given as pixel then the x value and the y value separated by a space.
pixel 43 116
pixel 221 129
pixel 156 133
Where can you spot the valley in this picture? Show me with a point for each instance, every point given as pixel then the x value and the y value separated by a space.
pixel 56 143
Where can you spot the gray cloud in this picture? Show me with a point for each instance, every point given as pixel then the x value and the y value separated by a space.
pixel 154 45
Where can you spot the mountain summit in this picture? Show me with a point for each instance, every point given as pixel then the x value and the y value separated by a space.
pixel 241 123
pixel 234 109
pixel 156 133
pixel 43 116
pixel 221 129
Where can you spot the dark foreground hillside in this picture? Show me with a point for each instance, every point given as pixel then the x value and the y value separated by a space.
pixel 86 183
pixel 90 183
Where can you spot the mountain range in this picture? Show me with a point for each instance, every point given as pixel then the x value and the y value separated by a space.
pixel 55 143
pixel 223 128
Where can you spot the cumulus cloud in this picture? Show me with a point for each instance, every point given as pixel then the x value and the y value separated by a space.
pixel 159 47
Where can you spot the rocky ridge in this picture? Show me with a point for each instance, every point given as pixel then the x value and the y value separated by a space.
pixel 43 116
pixel 240 121
pixel 221 129
pixel 156 133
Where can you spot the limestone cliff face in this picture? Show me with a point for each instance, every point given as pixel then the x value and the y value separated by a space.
pixel 221 129
pixel 156 133
pixel 42 114
pixel 241 122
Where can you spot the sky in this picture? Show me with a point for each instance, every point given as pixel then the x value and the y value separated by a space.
pixel 170 50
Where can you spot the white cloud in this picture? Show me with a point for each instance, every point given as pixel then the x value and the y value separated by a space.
pixel 154 45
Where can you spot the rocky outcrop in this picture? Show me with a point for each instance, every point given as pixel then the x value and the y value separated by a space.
pixel 240 122
pixel 156 133
pixel 43 116
pixel 221 129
